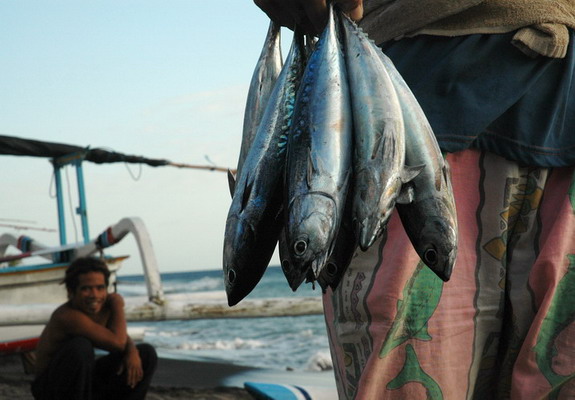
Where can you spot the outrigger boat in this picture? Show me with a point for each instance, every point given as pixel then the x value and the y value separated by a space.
pixel 30 293
pixel 41 283
pixel 28 286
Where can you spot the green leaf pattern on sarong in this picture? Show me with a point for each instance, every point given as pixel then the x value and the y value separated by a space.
pixel 560 315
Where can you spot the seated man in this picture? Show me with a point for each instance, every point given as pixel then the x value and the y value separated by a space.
pixel 66 367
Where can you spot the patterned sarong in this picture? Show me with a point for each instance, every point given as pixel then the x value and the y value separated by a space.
pixel 502 327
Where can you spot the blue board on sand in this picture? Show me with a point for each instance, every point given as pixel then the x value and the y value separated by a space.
pixel 273 391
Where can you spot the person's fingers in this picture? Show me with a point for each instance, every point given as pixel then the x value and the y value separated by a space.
pixel 133 377
pixel 309 15
pixel 277 12
pixel 356 10
pixel 316 15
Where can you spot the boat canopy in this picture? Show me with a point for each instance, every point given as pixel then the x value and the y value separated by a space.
pixel 11 145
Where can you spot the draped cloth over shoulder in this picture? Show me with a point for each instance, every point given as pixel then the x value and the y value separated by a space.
pixel 541 25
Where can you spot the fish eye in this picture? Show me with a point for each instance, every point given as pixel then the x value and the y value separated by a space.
pixel 430 257
pixel 331 269
pixel 300 247
pixel 231 276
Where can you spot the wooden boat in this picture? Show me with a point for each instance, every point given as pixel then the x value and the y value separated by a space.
pixel 26 288
pixel 30 293
pixel 40 283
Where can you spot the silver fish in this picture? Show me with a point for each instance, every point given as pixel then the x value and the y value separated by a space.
pixel 255 216
pixel 263 80
pixel 379 151
pixel 294 276
pixel 343 251
pixel 319 155
pixel 430 220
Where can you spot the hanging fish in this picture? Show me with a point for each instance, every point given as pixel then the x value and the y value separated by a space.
pixel 430 220
pixel 262 84
pixel 293 275
pixel 337 263
pixel 379 151
pixel 319 155
pixel 343 251
pixel 255 217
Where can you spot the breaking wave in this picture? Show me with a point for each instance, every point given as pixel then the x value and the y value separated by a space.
pixel 281 343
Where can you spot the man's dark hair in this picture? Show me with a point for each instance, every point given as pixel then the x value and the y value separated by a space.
pixel 81 266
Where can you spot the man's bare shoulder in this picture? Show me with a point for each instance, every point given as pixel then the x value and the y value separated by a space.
pixel 65 313
pixel 67 318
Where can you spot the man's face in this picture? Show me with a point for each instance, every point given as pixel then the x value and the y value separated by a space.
pixel 91 293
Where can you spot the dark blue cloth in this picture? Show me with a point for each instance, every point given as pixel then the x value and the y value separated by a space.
pixel 481 91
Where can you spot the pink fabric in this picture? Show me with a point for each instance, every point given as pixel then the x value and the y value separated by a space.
pixel 502 327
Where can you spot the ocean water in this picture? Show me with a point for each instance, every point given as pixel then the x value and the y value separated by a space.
pixel 280 343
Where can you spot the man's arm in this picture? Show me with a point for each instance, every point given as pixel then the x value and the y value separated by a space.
pixel 117 321
pixel 132 364
pixel 107 332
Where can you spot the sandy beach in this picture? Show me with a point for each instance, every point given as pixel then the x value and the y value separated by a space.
pixel 174 380
pixel 178 380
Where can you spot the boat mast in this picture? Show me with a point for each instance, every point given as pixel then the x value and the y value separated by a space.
pixel 76 160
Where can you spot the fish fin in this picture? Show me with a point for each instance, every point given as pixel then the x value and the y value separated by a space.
pixel 408 173
pixel 379 141
pixel 311 169
pixel 231 182
pixel 347 180
pixel 247 192
pixel 406 194
pixel 446 171
pixel 439 173
pixel 280 213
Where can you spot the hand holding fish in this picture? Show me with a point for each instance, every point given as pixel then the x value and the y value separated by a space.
pixel 310 15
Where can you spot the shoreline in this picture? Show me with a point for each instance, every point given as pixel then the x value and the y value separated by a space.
pixel 177 379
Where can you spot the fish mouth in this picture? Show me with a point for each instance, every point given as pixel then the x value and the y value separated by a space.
pixel 328 276
pixel 294 276
pixel 242 267
pixel 440 251
pixel 310 230
pixel 318 264
pixel 233 294
pixel 441 265
pixel 300 248
pixel 448 265
pixel 311 250
pixel 233 254
pixel 367 234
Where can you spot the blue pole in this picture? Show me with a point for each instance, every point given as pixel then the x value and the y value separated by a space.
pixel 60 204
pixel 82 209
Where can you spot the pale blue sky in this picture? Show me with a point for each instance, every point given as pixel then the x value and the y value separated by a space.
pixel 164 79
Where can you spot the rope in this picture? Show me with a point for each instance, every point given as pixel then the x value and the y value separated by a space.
pixel 205 167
